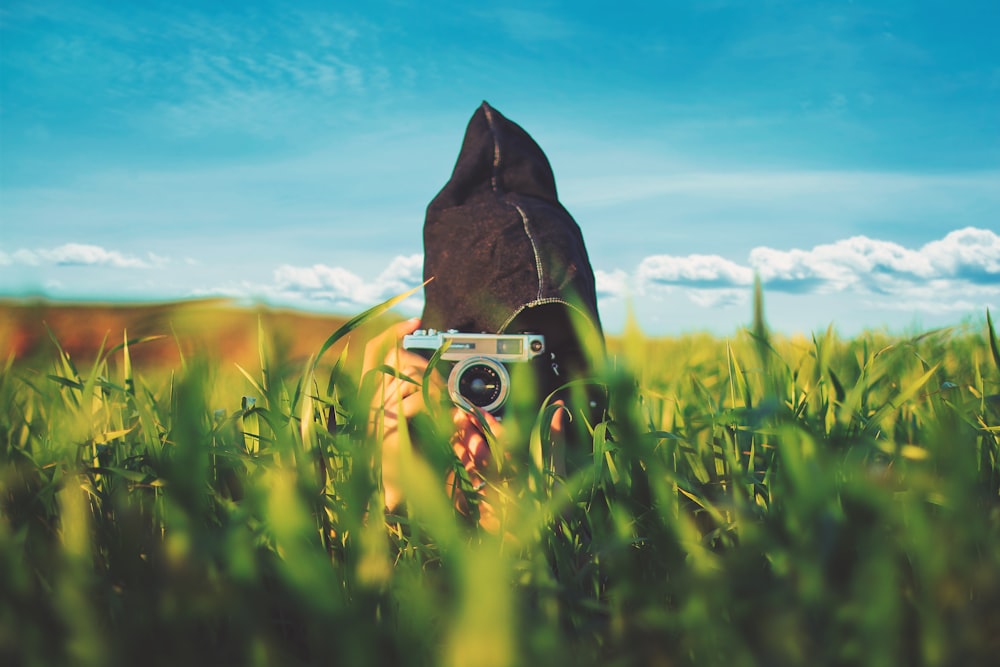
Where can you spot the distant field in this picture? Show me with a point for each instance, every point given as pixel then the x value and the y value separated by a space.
pixel 746 501
pixel 228 332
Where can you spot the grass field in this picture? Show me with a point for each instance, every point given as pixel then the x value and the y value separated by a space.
pixel 751 500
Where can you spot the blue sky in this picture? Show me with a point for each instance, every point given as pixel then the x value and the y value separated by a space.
pixel 847 153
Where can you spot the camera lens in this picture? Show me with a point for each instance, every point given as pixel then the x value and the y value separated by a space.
pixel 479 384
pixel 481 381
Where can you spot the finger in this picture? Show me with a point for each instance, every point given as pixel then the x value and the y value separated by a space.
pixel 403 370
pixel 413 405
pixel 468 447
pixel 557 451
pixel 558 423
pixel 479 453
pixel 377 347
pixel 409 407
pixel 470 425
pixel 473 452
pixel 395 388
pixel 401 384
pixel 493 424
pixel 466 425
pixel 466 419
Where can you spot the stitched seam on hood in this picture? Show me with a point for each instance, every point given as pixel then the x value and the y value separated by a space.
pixel 542 302
pixel 496 149
pixel 496 189
pixel 534 249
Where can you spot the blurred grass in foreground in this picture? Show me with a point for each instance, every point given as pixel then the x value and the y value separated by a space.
pixel 749 501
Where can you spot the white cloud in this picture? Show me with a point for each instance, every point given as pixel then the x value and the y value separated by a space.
pixel 704 271
pixel 970 253
pixel 339 286
pixel 611 285
pixel 318 278
pixel 403 273
pixel 856 262
pixel 959 272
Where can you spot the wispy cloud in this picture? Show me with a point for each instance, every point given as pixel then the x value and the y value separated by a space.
pixel 191 73
pixel 237 87
pixel 804 189
pixel 80 254
pixel 531 25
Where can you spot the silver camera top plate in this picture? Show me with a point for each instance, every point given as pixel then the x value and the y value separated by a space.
pixel 504 348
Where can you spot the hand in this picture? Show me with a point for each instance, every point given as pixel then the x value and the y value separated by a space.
pixel 385 351
pixel 394 396
pixel 473 451
pixel 399 398
pixel 472 448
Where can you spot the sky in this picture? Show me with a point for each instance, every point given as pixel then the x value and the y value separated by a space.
pixel 846 154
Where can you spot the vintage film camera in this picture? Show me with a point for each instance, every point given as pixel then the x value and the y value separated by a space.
pixel 479 376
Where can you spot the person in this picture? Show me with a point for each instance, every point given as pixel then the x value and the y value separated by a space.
pixel 501 255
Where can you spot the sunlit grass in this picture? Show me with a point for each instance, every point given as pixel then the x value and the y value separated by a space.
pixel 750 500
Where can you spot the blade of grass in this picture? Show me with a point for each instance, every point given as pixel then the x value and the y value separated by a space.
pixel 994 348
pixel 358 320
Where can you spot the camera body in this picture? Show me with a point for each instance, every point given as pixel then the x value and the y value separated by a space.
pixel 479 376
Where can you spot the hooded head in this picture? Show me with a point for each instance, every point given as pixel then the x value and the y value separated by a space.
pixel 497 242
pixel 500 251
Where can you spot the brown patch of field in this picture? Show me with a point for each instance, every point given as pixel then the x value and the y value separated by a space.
pixel 218 329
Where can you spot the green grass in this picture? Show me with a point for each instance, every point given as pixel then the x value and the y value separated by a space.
pixel 749 501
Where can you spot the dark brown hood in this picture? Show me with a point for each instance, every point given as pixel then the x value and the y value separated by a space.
pixel 499 247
